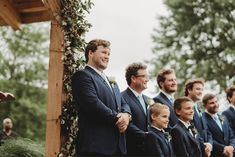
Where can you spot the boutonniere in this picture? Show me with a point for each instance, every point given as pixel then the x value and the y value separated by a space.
pixel 112 81
pixel 221 118
pixel 167 136
pixel 193 129
pixel 150 102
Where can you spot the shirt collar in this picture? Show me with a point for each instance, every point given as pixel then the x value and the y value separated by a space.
pixel 186 124
pixel 135 93
pixel 212 115
pixel 96 70
pixel 169 96
pixel 158 128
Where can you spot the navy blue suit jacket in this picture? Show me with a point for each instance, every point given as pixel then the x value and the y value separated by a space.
pixel 98 107
pixel 230 115
pixel 161 98
pixel 183 143
pixel 220 139
pixel 139 125
pixel 200 124
pixel 158 145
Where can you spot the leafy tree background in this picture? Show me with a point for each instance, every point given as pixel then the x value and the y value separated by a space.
pixel 23 72
pixel 197 39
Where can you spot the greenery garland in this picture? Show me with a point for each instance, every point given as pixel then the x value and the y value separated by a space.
pixel 73 24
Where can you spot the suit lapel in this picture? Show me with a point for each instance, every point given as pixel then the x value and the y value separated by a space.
pixel 133 97
pixel 213 125
pixel 165 99
pixel 189 134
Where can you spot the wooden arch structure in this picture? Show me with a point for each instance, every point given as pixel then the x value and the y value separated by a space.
pixel 14 13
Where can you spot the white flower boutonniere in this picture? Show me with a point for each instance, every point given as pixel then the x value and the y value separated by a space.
pixel 112 81
pixel 221 118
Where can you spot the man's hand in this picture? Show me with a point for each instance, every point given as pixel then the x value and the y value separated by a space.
pixel 228 151
pixel 208 149
pixel 123 121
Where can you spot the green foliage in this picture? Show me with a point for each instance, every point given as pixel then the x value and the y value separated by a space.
pixel 23 72
pixel 197 39
pixel 21 148
pixel 74 25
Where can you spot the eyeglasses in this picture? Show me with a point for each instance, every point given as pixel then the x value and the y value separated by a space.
pixel 145 76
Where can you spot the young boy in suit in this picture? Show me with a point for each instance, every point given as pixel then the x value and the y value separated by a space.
pixel 159 141
pixel 185 140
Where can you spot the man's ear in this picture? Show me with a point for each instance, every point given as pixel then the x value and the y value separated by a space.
pixel 161 84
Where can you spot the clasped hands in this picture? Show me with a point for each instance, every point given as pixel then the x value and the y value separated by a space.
pixel 123 121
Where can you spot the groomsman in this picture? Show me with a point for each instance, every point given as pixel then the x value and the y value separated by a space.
pixel 159 141
pixel 137 79
pixel 166 80
pixel 230 112
pixel 193 90
pixel 223 138
pixel 185 139
pixel 103 115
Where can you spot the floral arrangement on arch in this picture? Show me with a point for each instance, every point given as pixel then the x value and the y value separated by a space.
pixel 74 25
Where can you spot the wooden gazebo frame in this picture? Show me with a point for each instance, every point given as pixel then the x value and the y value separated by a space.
pixel 16 12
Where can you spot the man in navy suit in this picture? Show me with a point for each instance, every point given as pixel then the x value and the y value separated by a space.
pixel 103 115
pixel 193 90
pixel 167 83
pixel 185 139
pixel 137 79
pixel 230 112
pixel 159 141
pixel 223 138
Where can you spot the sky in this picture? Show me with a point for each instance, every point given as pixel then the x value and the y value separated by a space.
pixel 128 25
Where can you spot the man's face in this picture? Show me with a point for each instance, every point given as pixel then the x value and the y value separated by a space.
pixel 140 80
pixel 161 121
pixel 212 105
pixel 196 93
pixel 232 99
pixel 100 58
pixel 8 124
pixel 170 83
pixel 186 112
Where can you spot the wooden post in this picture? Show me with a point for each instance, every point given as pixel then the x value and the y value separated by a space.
pixel 55 92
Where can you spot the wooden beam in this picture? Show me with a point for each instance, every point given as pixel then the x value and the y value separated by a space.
pixel 55 92
pixel 36 17
pixel 9 14
pixel 53 5
pixel 30 6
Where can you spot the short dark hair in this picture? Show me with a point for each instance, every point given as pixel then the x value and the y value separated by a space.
pixel 161 75
pixel 207 97
pixel 178 103
pixel 155 109
pixel 93 44
pixel 189 84
pixel 229 92
pixel 132 70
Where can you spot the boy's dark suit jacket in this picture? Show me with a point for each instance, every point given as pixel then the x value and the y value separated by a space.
pixel 161 98
pixel 230 115
pixel 98 107
pixel 158 145
pixel 139 125
pixel 183 143
pixel 220 139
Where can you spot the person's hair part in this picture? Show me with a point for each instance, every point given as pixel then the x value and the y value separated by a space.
pixel 229 92
pixel 207 97
pixel 93 45
pixel 179 101
pixel 161 76
pixel 156 109
pixel 132 70
pixel 190 83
